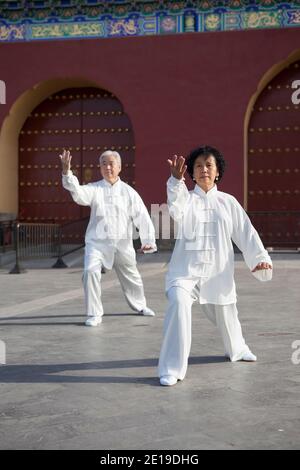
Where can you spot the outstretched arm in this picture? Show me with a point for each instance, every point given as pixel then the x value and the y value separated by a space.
pixel 83 195
pixel 177 191
pixel 143 222
pixel 248 241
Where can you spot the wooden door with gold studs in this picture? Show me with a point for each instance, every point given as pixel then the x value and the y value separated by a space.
pixel 86 121
pixel 274 161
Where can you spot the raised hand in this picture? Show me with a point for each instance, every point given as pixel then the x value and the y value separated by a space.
pixel 66 158
pixel 177 167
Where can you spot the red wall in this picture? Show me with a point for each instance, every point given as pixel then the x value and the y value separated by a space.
pixel 179 91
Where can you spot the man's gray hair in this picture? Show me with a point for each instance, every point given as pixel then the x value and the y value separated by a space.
pixel 109 153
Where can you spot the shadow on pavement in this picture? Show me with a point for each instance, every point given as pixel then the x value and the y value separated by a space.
pixel 53 373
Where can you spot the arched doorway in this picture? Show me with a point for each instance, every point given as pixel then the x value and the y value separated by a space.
pixel 273 171
pixel 87 121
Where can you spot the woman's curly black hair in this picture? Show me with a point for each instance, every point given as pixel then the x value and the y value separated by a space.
pixel 206 151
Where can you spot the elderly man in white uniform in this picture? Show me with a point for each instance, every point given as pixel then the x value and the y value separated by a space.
pixel 202 264
pixel 115 207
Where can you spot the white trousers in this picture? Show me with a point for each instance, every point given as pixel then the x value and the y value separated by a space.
pixel 129 277
pixel 177 336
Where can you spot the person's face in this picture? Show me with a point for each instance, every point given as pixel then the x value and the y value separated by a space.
pixel 110 168
pixel 205 171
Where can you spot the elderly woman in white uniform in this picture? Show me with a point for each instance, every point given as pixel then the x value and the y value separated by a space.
pixel 115 207
pixel 202 263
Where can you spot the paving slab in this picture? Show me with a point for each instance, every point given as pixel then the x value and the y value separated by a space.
pixel 67 386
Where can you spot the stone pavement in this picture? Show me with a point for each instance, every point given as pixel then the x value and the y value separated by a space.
pixel 66 386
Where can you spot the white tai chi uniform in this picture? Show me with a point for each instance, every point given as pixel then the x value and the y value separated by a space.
pixel 202 268
pixel 108 240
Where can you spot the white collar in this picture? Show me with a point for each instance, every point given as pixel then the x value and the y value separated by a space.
pixel 202 193
pixel 107 184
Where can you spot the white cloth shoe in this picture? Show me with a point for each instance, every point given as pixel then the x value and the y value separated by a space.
pixel 93 321
pixel 147 312
pixel 248 356
pixel 168 380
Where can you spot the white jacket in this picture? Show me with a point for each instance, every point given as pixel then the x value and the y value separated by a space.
pixel 203 253
pixel 114 210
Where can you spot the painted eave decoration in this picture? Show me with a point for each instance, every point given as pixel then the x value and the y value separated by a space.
pixel 34 20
